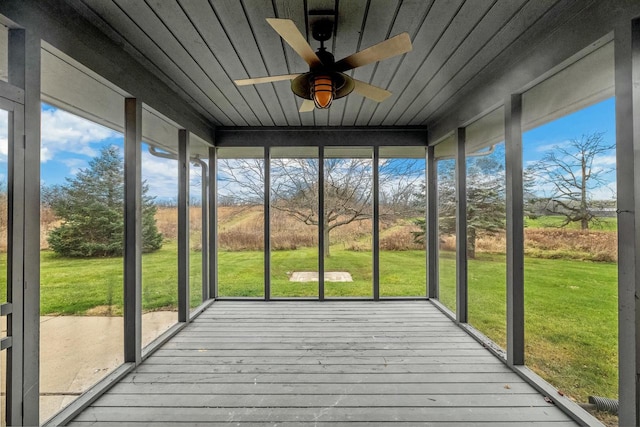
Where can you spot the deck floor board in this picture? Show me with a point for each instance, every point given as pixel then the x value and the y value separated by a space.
pixel 302 363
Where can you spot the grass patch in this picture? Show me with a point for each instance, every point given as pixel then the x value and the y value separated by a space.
pixel 240 273
pixel 72 286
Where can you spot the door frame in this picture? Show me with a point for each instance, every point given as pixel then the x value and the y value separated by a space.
pixel 12 101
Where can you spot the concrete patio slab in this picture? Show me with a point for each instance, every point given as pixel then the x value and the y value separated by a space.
pixel 313 276
pixel 77 351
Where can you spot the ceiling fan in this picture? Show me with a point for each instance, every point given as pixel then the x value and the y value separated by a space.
pixel 326 80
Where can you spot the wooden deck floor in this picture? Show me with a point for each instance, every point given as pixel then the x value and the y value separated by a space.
pixel 297 363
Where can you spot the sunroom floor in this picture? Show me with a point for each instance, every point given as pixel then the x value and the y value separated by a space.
pixel 333 362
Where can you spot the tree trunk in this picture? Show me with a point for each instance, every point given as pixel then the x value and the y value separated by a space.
pixel 471 243
pixel 327 243
pixel 584 222
pixel 584 212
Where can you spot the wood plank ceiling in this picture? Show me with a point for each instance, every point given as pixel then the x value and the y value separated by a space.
pixel 198 47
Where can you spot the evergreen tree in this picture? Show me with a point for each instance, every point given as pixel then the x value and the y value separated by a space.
pixel 91 206
pixel 485 198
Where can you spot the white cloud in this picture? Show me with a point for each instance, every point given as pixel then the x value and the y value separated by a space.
pixel 62 131
pixel 74 165
pixel 605 192
pixel 604 161
pixel 551 147
pixel 161 176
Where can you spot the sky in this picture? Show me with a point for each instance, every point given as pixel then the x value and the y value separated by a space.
pixel 70 142
pixel 600 118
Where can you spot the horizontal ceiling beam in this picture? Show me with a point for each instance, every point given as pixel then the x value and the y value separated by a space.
pixel 320 136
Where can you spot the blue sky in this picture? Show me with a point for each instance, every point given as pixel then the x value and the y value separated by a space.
pixel 599 117
pixel 70 142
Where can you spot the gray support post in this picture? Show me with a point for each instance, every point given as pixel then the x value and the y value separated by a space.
pixel 376 223
pixel 267 223
pixel 132 230
pixel 461 228
pixel 213 222
pixel 16 321
pixel 204 205
pixel 183 225
pixel 627 91
pixel 15 272
pixel 24 236
pixel 32 108
pixel 321 224
pixel 431 225
pixel 515 231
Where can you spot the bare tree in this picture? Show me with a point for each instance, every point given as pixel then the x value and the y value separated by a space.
pixel 241 180
pixel 347 188
pixel 571 173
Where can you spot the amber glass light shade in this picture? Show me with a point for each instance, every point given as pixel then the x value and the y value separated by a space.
pixel 322 90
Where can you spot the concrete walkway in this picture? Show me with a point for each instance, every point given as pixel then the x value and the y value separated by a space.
pixel 77 351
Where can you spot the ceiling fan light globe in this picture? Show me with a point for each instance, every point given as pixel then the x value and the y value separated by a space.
pixel 322 90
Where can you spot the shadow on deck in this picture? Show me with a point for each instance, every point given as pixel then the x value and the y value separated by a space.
pixel 296 363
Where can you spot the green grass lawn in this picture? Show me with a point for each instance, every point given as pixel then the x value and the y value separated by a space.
pixel 571 306
pixel 241 273
pixel 76 285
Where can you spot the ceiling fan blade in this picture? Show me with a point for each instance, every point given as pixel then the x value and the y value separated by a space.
pixel 307 106
pixel 389 48
pixel 290 33
pixel 374 93
pixel 269 79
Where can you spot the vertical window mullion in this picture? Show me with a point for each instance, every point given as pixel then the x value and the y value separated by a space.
pixel 132 230
pixel 515 231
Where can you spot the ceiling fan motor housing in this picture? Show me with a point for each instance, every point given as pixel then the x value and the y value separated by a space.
pixel 322 29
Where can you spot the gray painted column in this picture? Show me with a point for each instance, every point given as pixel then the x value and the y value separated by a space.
pixel 183 225
pixel 376 223
pixel 627 90
pixel 267 223
pixel 15 237
pixel 132 230
pixel 204 204
pixel 321 241
pixel 461 228
pixel 515 231
pixel 24 233
pixel 213 222
pixel 431 225
pixel 17 356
